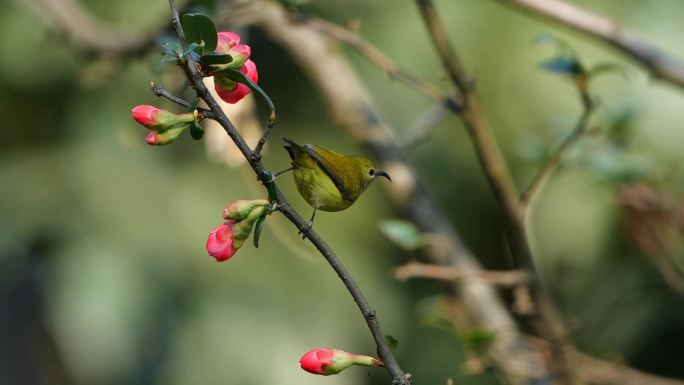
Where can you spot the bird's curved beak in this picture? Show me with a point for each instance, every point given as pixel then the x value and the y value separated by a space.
pixel 382 173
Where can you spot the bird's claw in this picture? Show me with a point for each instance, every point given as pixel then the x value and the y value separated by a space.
pixel 305 232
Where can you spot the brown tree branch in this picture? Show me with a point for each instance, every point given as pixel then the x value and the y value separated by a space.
pixel 506 278
pixel 423 126
pixel 381 60
pixel 399 377
pixel 658 62
pixel 545 319
pixel 86 31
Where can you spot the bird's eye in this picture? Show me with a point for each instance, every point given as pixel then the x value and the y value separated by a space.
pixel 371 172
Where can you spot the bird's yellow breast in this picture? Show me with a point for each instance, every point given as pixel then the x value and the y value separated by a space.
pixel 318 189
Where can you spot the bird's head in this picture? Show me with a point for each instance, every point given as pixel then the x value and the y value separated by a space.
pixel 369 170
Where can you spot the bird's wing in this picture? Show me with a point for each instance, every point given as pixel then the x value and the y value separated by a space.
pixel 325 160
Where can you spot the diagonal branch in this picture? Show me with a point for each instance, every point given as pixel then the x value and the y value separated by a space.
pixel 554 160
pixel 658 62
pixel 381 60
pixel 399 377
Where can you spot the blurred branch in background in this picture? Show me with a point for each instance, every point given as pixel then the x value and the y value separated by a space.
pixel 88 32
pixel 423 126
pixel 654 222
pixel 545 321
pixel 659 63
pixel 377 57
pixel 554 160
pixel 447 273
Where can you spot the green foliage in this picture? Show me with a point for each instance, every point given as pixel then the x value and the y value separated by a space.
pixel 403 233
pixel 199 29
pixel 391 342
pixel 196 131
pixel 213 58
pixel 258 227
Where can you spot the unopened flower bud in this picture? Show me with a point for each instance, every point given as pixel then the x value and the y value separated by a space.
pixel 228 237
pixel 331 361
pixel 241 208
pixel 159 120
pixel 221 243
pixel 160 138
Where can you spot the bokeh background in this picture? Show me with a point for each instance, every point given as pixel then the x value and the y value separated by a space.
pixel 104 276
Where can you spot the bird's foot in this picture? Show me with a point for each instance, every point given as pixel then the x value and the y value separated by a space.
pixel 305 232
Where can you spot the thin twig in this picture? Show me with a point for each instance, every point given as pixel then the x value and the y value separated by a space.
pixel 399 377
pixel 499 179
pixel 381 60
pixel 264 137
pixel 506 278
pixel 554 160
pixel 161 92
pixel 424 125
pixel 658 62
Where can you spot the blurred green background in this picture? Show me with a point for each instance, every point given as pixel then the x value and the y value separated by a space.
pixel 104 276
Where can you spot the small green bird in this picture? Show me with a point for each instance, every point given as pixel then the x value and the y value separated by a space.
pixel 328 180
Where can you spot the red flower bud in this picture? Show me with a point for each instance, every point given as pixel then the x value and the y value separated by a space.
pixel 231 91
pixel 227 238
pixel 146 115
pixel 331 361
pixel 166 126
pixel 221 243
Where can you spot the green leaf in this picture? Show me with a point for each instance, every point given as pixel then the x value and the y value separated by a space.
pixel 391 342
pixel 196 131
pixel 258 227
pixel 267 176
pixel 192 47
pixel 215 58
pixel 193 105
pixel 403 233
pixel 566 65
pixel 199 28
pixel 237 76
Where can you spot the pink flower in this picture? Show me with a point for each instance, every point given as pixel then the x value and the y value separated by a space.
pixel 146 115
pixel 332 361
pixel 226 41
pixel 220 243
pixel 231 91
